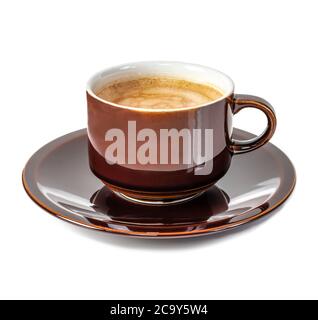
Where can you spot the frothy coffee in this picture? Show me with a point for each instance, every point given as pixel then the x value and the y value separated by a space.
pixel 159 93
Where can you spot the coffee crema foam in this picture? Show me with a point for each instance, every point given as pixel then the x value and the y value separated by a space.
pixel 159 93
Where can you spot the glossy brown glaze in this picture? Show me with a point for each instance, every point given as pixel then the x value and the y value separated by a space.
pixel 58 178
pixel 242 101
pixel 157 180
pixel 202 131
pixel 169 181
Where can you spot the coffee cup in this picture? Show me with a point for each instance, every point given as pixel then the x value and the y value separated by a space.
pixel 161 132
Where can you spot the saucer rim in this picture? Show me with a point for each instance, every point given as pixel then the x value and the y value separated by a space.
pixel 152 235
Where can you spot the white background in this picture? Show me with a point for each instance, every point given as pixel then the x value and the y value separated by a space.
pixel 48 49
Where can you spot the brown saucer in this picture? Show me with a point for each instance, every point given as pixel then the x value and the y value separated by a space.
pixel 58 178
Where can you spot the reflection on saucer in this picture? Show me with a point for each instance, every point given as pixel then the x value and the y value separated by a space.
pixel 199 210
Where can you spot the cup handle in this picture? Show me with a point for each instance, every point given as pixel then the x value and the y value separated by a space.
pixel 240 102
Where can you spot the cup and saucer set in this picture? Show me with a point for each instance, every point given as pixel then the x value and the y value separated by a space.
pixel 160 158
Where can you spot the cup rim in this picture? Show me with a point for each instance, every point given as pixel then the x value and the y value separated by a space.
pixel 98 75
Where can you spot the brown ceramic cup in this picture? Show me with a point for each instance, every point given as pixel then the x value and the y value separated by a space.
pixel 157 183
